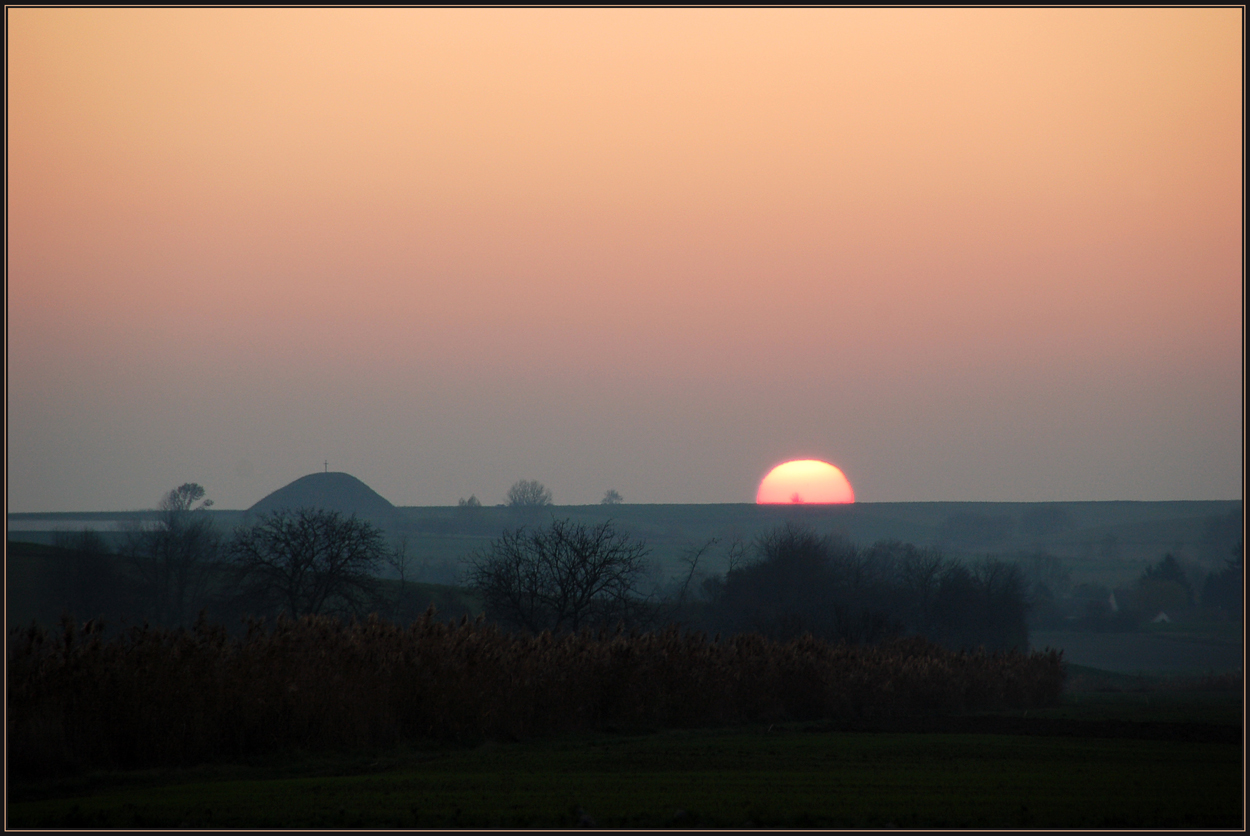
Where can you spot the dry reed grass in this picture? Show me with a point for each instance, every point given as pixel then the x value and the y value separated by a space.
pixel 154 697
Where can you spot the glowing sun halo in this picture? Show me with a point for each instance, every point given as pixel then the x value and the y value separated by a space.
pixel 804 481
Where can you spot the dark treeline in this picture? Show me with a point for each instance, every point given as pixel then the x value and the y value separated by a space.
pixel 563 576
pixel 156 697
pixel 803 582
pixel 798 580
pixel 787 582
pixel 566 575
pixel 168 571
pixel 1179 589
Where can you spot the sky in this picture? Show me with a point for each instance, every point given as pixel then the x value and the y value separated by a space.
pixel 964 255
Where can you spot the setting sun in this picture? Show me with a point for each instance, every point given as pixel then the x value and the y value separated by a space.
pixel 804 481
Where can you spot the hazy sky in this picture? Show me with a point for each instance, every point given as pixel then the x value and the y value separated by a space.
pixel 961 254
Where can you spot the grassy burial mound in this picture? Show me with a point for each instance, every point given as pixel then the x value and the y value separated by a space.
pixel 340 492
pixel 155 697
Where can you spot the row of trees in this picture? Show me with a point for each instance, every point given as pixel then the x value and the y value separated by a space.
pixel 803 582
pixel 314 561
pixel 558 577
pixel 1166 587
pixel 1182 589
pixel 568 576
pixel 304 561
pixel 530 493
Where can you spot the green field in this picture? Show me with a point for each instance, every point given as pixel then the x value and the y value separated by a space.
pixel 1103 759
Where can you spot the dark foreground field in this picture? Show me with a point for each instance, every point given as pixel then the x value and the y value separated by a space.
pixel 1124 753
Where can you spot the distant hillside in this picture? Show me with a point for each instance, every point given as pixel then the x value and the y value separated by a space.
pixel 340 492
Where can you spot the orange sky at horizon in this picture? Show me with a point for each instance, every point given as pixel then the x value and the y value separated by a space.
pixel 474 201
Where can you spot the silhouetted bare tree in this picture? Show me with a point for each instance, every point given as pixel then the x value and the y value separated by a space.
pixel 565 576
pixel 171 559
pixel 611 497
pixel 309 561
pixel 528 494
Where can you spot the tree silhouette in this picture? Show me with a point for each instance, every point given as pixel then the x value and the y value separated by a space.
pixel 309 561
pixel 171 560
pixel 1164 586
pixel 564 576
pixel 528 494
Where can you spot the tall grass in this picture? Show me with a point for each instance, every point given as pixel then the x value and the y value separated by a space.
pixel 152 697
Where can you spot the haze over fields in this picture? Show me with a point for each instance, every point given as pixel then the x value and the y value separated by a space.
pixel 961 254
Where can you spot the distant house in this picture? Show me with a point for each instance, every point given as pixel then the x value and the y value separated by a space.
pixel 1161 618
